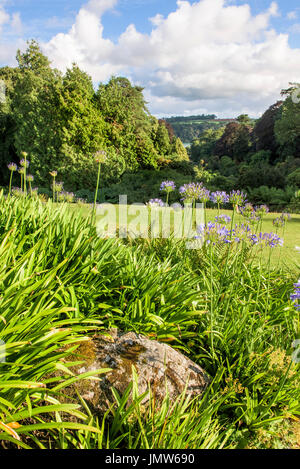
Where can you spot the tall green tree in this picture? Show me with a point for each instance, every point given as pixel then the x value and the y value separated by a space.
pixel 83 129
pixel 287 127
pixel 35 105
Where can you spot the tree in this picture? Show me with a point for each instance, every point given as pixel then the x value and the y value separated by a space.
pixel 35 103
pixel 203 147
pixel 162 139
pixel 179 151
pixel 244 119
pixel 235 142
pixel 264 131
pixel 287 126
pixel 83 129
pixel 130 123
pixel 7 122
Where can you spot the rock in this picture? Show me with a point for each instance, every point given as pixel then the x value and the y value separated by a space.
pixel 156 363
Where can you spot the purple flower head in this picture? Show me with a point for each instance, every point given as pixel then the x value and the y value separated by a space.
pixel 249 213
pixel 271 240
pixel 295 297
pixel 213 233
pixel 261 210
pixel 12 167
pixel 24 163
pixel 167 186
pixel 29 178
pixel 192 191
pixel 204 195
pixel 237 198
pixel 278 222
pixel 223 219
pixel 155 203
pixel 219 197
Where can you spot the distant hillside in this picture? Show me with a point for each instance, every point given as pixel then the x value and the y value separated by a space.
pixel 187 128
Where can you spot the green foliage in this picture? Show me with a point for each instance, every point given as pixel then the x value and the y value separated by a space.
pixel 264 130
pixel 275 198
pixel 287 127
pixel 294 178
pixel 205 145
pixel 59 281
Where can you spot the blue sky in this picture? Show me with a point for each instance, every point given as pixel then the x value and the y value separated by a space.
pixel 222 56
pixel 44 18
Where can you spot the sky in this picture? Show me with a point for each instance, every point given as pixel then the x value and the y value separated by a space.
pixel 226 57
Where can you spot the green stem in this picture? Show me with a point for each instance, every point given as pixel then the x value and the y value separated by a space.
pixel 25 175
pixel 53 189
pixel 10 181
pixel 96 193
pixel 211 304
pixel 229 246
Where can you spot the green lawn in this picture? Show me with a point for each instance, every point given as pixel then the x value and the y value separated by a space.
pixel 287 255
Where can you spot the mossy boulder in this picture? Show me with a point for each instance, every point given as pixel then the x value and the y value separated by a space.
pixel 156 364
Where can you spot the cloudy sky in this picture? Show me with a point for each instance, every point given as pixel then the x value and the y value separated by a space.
pixel 207 56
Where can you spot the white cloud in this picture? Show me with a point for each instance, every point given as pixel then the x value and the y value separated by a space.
pixel 4 17
pixel 16 23
pixel 292 15
pixel 84 43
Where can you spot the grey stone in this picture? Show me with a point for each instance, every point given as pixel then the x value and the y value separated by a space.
pixel 156 364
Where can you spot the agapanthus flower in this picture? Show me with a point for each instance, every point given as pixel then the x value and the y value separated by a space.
pixel 296 295
pixel 192 191
pixel 21 170
pixel 24 163
pixel 286 216
pixel 80 201
pixel 167 186
pixel 12 167
pixel 204 196
pixel 237 198
pixel 100 156
pixel 223 218
pixel 155 203
pixel 53 173
pixel 29 178
pixel 58 186
pixel 271 240
pixel 177 206
pixel 278 222
pixel 261 210
pixel 70 197
pixel 219 197
pixel 249 213
pixel 213 233
pixel 17 192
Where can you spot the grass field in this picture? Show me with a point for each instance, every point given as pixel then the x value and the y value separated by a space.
pixel 286 256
